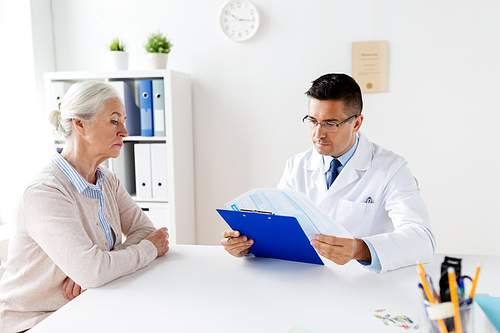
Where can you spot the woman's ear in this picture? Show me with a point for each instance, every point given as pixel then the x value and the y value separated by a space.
pixel 79 126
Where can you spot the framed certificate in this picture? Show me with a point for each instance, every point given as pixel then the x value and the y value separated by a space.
pixel 369 65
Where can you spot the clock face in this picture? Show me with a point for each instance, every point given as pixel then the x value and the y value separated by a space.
pixel 239 19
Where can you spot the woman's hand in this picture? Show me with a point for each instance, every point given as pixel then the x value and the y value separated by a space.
pixel 159 238
pixel 70 289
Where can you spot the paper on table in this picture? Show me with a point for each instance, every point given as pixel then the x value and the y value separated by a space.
pixel 285 202
pixel 487 318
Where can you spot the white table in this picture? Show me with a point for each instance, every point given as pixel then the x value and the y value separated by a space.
pixel 203 289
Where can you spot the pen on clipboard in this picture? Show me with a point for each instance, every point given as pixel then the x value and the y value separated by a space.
pixel 252 211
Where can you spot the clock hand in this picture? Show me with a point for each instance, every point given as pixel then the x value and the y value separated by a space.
pixel 240 19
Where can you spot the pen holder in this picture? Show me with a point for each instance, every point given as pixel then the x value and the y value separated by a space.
pixel 444 311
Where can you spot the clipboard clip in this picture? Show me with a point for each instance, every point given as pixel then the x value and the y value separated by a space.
pixel 256 211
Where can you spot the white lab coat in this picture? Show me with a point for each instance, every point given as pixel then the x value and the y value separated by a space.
pixel 396 222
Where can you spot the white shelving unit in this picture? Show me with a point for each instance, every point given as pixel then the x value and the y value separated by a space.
pixel 179 206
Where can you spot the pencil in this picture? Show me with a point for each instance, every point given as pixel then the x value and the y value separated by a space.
pixel 454 299
pixel 474 282
pixel 430 297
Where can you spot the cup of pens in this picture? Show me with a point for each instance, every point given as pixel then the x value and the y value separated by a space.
pixel 441 316
pixel 450 309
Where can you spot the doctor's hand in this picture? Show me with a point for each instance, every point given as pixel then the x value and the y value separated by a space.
pixel 70 289
pixel 341 250
pixel 235 244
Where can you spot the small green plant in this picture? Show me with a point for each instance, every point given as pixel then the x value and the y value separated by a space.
pixel 116 45
pixel 157 43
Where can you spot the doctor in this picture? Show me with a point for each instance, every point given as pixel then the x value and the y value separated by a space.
pixel 360 185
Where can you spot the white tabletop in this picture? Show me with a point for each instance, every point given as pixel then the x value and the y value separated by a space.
pixel 203 289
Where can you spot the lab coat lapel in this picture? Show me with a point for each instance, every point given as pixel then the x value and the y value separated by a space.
pixel 317 176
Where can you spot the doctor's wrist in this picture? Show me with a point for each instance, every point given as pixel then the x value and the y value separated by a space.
pixel 361 251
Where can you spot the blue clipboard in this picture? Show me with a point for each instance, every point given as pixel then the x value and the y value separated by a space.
pixel 274 236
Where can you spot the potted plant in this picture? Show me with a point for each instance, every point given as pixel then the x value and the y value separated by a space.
pixel 117 57
pixel 158 48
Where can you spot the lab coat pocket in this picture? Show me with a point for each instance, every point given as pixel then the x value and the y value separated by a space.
pixel 356 217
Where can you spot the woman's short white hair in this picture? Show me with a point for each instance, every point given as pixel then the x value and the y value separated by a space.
pixel 83 101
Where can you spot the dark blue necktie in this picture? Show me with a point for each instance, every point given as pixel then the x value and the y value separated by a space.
pixel 332 173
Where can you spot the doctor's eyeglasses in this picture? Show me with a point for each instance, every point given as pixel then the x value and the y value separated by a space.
pixel 327 126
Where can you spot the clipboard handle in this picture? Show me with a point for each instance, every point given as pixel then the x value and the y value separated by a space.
pixel 256 211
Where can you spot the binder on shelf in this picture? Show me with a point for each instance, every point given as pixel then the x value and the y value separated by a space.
pixel 274 236
pixel 58 89
pixel 133 123
pixel 146 105
pixel 142 157
pixel 158 107
pixel 123 167
pixel 159 170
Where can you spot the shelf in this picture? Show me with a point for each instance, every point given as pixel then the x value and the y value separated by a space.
pixel 145 139
pixel 103 75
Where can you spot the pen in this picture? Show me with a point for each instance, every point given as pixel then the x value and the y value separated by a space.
pixel 474 282
pixel 430 298
pixel 368 201
pixel 454 299
pixel 431 287
pixel 426 288
pixel 423 291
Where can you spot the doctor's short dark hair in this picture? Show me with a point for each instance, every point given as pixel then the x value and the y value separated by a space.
pixel 338 87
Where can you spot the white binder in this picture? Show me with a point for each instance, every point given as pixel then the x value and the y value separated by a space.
pixel 142 156
pixel 58 89
pixel 159 170
pixel 158 107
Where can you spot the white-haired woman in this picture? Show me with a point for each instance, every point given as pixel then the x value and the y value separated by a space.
pixel 73 215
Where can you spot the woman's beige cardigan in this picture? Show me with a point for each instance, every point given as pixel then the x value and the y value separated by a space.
pixel 57 235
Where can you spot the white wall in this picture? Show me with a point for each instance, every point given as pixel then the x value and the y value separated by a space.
pixel 25 52
pixel 440 111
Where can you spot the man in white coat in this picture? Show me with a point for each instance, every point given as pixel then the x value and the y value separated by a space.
pixel 366 188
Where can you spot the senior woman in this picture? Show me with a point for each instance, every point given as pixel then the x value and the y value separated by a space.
pixel 73 215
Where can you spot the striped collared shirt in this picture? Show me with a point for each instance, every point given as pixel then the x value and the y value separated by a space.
pixel 91 191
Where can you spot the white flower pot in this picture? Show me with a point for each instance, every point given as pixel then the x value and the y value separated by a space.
pixel 117 60
pixel 158 60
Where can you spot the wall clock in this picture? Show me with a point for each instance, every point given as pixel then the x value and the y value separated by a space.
pixel 239 19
